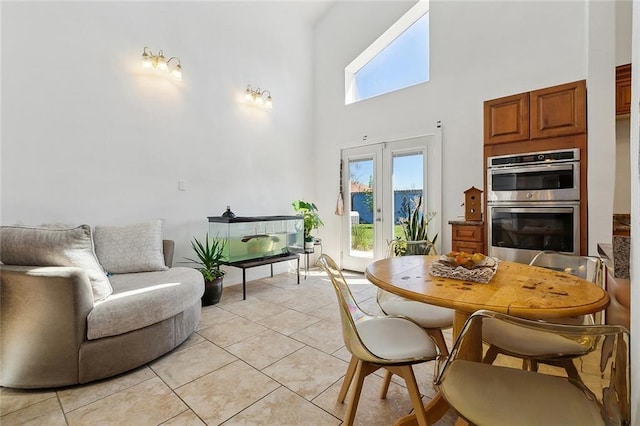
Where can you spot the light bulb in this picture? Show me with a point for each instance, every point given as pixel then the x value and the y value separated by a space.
pixel 258 98
pixel 247 94
pixel 146 60
pixel 269 102
pixel 177 72
pixel 161 62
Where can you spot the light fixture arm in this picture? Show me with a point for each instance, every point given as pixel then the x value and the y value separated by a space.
pixel 257 96
pixel 159 63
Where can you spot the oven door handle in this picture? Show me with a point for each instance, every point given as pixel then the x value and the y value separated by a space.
pixel 503 209
pixel 537 168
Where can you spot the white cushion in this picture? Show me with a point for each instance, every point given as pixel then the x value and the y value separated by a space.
pixel 428 316
pixel 525 341
pixel 143 299
pixel 489 395
pixel 130 248
pixel 47 246
pixel 395 338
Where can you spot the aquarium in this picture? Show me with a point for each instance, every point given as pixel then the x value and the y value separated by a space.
pixel 257 237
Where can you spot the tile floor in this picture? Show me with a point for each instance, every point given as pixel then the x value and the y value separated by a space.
pixel 275 359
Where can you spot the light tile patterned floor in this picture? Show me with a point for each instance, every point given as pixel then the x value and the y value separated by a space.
pixel 275 359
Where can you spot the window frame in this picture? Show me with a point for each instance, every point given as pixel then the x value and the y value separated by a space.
pixel 388 37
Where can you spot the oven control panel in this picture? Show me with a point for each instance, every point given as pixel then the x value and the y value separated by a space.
pixel 544 157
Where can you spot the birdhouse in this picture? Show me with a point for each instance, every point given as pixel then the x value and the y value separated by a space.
pixel 473 204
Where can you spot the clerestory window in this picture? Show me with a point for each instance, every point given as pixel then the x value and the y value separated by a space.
pixel 399 58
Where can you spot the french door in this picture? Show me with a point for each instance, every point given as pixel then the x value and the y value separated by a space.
pixel 379 181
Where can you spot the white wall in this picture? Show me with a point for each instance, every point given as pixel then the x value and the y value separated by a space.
pixel 624 12
pixel 622 196
pixel 89 137
pixel 480 50
pixel 600 58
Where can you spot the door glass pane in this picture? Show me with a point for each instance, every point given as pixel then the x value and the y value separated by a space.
pixel 408 183
pixel 361 184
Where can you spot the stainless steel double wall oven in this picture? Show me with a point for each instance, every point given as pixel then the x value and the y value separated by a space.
pixel 533 204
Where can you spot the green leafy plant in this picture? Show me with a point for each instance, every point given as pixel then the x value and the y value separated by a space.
pixel 210 255
pixel 310 216
pixel 415 227
pixel 362 237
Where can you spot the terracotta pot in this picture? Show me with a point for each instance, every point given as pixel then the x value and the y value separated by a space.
pixel 212 292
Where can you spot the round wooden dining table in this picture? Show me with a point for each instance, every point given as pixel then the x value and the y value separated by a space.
pixel 515 289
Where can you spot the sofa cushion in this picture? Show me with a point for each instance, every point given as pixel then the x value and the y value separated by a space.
pixel 144 298
pixel 130 248
pixel 45 246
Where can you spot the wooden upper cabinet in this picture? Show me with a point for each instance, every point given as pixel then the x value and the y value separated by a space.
pixel 623 89
pixel 559 110
pixel 545 113
pixel 506 119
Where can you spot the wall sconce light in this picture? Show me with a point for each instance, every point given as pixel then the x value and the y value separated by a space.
pixel 158 62
pixel 257 97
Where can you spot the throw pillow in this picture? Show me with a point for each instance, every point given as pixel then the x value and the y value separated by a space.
pixel 130 248
pixel 33 246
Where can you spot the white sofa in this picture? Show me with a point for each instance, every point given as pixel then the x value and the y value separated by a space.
pixel 64 321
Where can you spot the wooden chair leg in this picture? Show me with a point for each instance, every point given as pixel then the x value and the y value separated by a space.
pixel 385 384
pixel 570 368
pixel 436 335
pixel 355 395
pixel 414 394
pixel 530 365
pixel 348 378
pixel 491 355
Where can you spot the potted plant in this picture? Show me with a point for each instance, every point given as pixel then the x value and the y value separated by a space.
pixel 415 226
pixel 210 255
pixel 311 219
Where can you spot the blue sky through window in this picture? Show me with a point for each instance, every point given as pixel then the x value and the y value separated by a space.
pixel 402 63
pixel 407 172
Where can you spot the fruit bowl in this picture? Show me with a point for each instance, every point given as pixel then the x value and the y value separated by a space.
pixel 465 266
pixel 467 260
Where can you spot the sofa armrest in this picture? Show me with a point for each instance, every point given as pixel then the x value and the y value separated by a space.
pixel 167 249
pixel 43 321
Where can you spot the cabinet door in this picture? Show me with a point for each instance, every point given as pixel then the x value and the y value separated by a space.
pixel 506 119
pixel 623 89
pixel 467 247
pixel 559 110
pixel 467 233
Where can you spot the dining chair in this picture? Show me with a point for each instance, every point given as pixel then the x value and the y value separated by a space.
pixel 589 268
pixel 433 319
pixel 586 267
pixel 500 338
pixel 485 394
pixel 389 342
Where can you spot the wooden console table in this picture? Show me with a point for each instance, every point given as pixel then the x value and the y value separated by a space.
pixel 251 263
